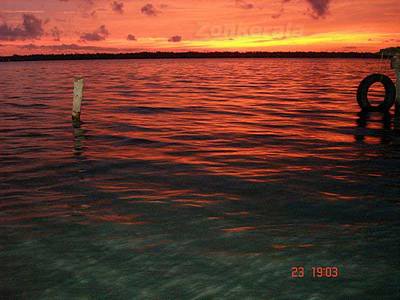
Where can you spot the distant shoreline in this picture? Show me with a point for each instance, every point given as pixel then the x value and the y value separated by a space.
pixel 183 55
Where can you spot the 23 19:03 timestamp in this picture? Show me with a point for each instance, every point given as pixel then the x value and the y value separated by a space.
pixel 316 272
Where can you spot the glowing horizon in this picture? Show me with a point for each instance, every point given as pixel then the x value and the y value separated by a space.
pixel 85 26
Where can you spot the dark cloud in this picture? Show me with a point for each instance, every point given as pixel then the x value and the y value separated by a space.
pixel 71 48
pixel 99 34
pixel 131 37
pixel 149 10
pixel 31 28
pixel 244 4
pixel 175 39
pixel 118 7
pixel 319 8
pixel 93 14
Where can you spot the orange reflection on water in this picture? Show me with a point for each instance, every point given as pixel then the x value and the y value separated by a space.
pixel 114 218
pixel 239 229
pixel 337 197
pixel 187 132
pixel 282 246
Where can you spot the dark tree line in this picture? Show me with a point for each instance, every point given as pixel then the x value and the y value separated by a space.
pixel 173 55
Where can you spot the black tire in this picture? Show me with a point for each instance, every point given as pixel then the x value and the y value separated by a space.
pixel 363 88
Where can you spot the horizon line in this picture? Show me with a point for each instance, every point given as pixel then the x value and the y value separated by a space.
pixel 197 54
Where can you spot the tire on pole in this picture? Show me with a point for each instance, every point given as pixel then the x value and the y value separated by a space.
pixel 363 88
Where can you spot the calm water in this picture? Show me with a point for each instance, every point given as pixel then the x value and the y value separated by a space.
pixel 196 179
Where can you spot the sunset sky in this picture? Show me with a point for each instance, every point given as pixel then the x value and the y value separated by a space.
pixel 69 26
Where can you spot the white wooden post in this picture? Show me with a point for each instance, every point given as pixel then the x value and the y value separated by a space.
pixel 77 102
pixel 396 66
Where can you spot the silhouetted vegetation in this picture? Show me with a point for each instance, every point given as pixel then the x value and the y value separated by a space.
pixel 173 55
pixel 391 51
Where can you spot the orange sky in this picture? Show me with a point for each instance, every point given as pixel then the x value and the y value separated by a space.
pixel 65 26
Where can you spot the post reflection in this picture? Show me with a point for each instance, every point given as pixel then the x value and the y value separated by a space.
pixel 367 122
pixel 396 121
pixel 79 138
